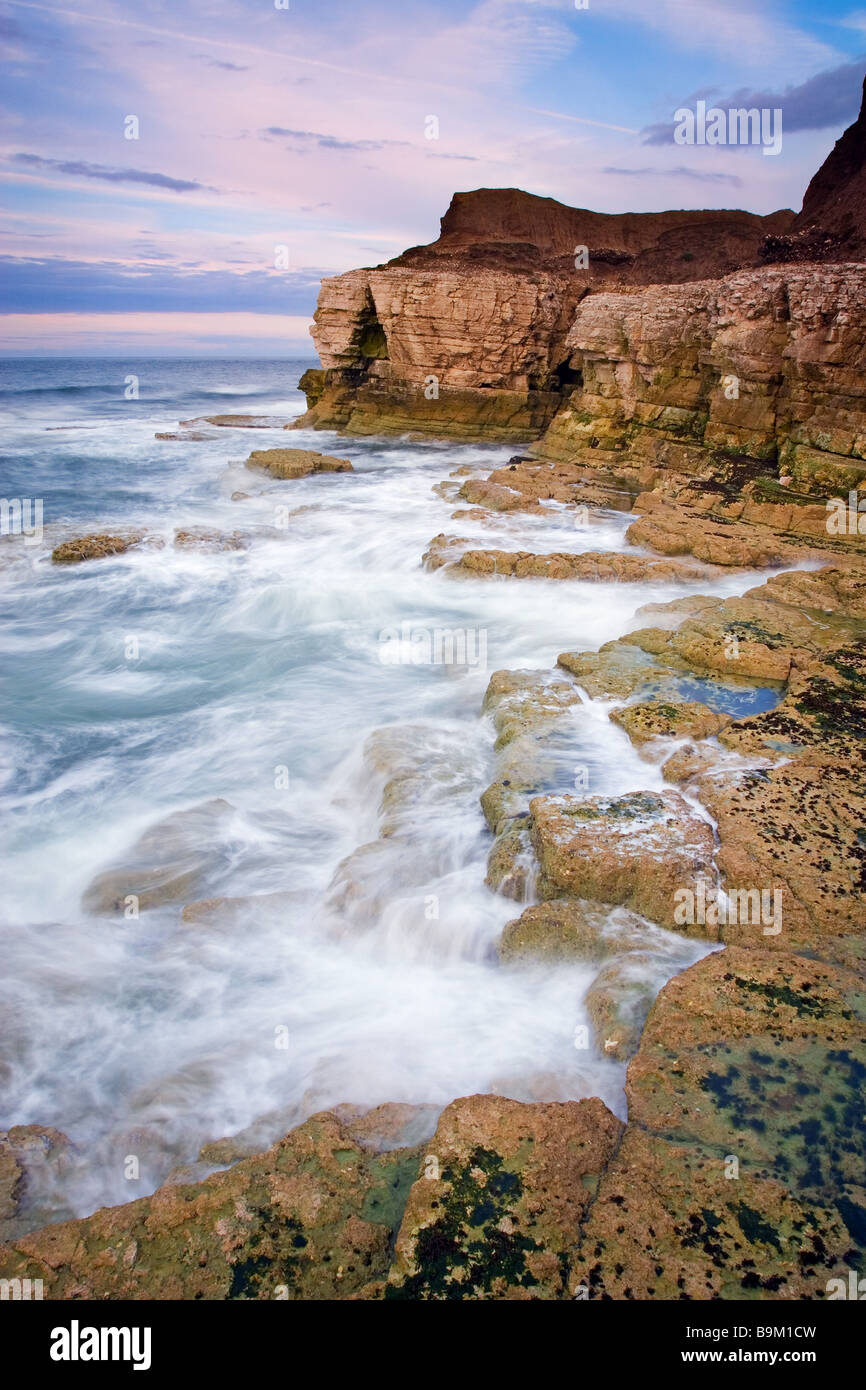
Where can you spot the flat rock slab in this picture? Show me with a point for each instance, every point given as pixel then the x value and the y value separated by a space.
pixel 740 1175
pixel 313 1218
pixel 202 538
pixel 669 719
pixel 634 851
pixel 234 422
pixel 296 463
pixel 496 1211
pixel 598 567
pixel 170 862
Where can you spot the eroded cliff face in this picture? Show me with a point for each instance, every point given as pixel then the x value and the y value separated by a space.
pixel 764 365
pixel 526 315
pixel 465 338
pixel 445 352
pixel 832 222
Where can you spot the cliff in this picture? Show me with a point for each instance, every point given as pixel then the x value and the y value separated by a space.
pixel 767 365
pixel 527 318
pixel 833 216
pixel 506 227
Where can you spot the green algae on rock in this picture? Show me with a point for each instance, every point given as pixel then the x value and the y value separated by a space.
pixel 496 1211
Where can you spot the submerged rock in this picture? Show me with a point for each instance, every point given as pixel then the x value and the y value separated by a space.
pixel 169 863
pixel 235 422
pixel 618 1001
pixel 184 436
pixel 201 538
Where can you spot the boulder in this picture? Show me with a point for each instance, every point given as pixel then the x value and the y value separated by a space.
pixel 635 851
pixel 503 1189
pixel 96 546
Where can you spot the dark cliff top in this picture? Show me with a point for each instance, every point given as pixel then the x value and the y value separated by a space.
pixel 510 229
pixel 507 228
pixel 835 203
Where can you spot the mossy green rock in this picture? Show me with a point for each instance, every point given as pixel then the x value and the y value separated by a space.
pixel 740 1175
pixel 313 1218
pixel 496 1211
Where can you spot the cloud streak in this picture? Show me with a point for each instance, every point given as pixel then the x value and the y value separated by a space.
pixel 44 284
pixel 680 172
pixel 82 168
pixel 314 138
pixel 830 98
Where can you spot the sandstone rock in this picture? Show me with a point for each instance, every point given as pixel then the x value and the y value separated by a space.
pixel 94 547
pixel 296 463
pixel 540 480
pixel 567 929
pixel 834 206
pixel 314 1217
pixel 657 367
pixel 222 1153
pixel 669 615
pixel 235 422
pixel 618 1001
pixel 201 538
pixel 29 1156
pixel 795 830
pixel 231 913
pixel 740 1172
pixel 689 762
pixel 596 566
pixel 312 383
pixel 483 313
pixel 11 1174
pixel 831 590
pixel 491 495
pixel 503 1189
pixel 184 436
pixel 634 851
pixel 511 864
pixel 389 1126
pixel 678 535
pixel 616 670
pixel 526 702
pixel 661 719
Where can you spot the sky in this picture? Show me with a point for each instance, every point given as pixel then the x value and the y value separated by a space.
pixel 177 177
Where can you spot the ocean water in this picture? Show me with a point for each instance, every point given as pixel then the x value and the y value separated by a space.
pixel 232 715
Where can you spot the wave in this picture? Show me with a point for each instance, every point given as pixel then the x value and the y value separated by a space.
pixel 90 390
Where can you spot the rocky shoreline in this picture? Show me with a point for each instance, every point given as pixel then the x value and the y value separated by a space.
pixel 728 415
pixel 739 1172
